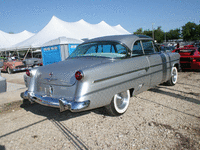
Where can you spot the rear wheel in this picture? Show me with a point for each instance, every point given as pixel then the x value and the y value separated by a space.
pixel 119 103
pixel 9 70
pixel 174 77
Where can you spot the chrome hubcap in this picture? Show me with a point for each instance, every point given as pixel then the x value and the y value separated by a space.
pixel 121 101
pixel 174 75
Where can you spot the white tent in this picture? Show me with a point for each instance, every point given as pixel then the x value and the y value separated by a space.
pixel 8 40
pixel 61 41
pixel 77 30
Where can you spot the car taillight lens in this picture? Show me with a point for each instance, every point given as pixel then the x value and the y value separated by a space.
pixel 28 73
pixel 79 75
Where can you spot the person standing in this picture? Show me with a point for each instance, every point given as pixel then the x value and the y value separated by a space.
pixel 177 46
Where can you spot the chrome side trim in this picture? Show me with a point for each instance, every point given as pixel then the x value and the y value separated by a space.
pixel 146 68
pixel 63 104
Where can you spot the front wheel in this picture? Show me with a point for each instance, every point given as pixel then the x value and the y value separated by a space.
pixel 174 77
pixel 10 71
pixel 119 103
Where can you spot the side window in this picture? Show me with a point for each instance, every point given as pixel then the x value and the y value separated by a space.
pixel 137 49
pixel 148 47
pixel 121 49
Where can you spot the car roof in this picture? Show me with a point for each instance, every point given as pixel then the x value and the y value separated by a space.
pixel 125 39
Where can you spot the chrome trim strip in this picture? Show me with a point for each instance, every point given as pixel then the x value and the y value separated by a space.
pixel 146 68
pixel 99 80
pixel 122 82
pixel 20 69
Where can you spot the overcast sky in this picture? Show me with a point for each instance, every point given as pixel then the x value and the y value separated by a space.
pixel 33 15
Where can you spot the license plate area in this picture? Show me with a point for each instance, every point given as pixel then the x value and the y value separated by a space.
pixel 47 90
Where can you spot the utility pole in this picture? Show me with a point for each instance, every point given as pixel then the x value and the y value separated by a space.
pixel 152 31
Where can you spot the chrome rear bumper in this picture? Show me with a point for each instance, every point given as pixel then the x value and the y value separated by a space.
pixel 62 103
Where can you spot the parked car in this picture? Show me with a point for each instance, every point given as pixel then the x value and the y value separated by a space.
pixel 189 57
pixel 13 64
pixel 36 60
pixel 104 71
pixel 3 84
pixel 164 48
pixel 32 62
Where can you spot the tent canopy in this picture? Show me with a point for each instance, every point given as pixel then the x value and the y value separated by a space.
pixel 76 30
pixel 62 40
pixel 8 40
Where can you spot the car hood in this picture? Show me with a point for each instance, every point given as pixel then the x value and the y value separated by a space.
pixel 63 73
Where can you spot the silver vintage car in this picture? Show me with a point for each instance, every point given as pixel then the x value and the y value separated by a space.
pixel 104 71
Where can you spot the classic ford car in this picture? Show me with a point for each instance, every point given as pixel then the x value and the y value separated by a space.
pixel 104 71
pixel 189 57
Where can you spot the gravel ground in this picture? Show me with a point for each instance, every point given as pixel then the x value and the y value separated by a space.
pixel 165 117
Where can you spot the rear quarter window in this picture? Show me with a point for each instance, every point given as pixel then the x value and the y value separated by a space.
pixel 148 47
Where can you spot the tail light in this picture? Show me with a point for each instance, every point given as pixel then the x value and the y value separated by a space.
pixel 28 73
pixel 79 75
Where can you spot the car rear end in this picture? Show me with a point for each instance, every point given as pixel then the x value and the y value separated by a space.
pixel 190 57
pixel 54 87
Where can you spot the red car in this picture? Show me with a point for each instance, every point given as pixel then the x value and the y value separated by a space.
pixel 12 64
pixel 189 57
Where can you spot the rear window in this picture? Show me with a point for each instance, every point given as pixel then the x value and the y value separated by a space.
pixel 100 49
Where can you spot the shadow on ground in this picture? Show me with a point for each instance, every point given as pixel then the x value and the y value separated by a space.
pixel 54 113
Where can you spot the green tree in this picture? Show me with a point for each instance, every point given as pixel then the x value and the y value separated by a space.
pixel 173 34
pixel 189 31
pixel 159 35
pixel 198 32
pixel 139 31
pixel 148 33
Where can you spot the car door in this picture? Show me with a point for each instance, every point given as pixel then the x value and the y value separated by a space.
pixel 143 74
pixel 158 62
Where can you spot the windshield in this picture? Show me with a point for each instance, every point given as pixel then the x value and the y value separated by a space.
pixel 101 49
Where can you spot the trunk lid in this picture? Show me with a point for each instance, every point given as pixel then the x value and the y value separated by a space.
pixel 63 73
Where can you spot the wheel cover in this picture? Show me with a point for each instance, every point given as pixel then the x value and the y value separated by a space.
pixel 121 101
pixel 174 75
pixel 9 71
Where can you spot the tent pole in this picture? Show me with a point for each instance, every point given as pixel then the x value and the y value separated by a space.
pixel 26 53
pixel 17 53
